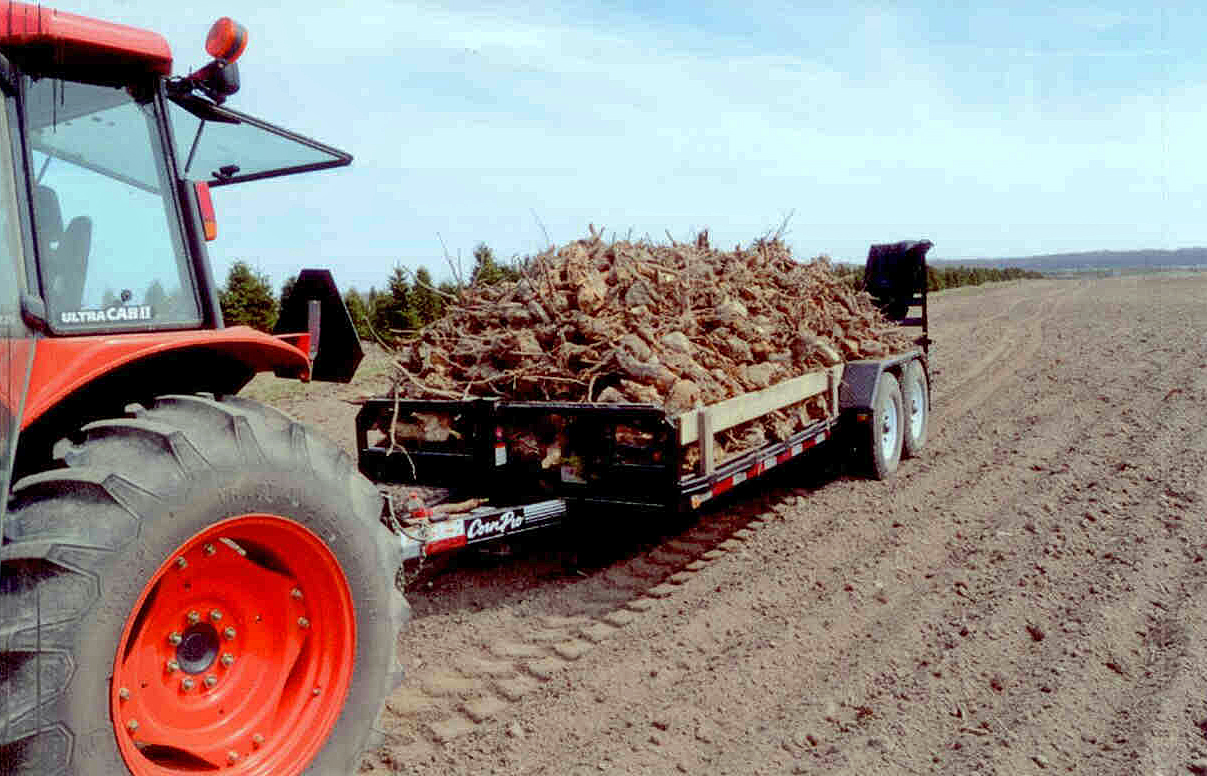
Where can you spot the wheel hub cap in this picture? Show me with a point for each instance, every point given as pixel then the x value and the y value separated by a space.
pixel 198 649
pixel 888 432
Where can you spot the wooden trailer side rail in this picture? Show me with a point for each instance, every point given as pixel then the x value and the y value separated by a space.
pixel 700 425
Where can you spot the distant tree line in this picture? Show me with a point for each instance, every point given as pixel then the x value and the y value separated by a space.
pixel 407 303
pixel 939 278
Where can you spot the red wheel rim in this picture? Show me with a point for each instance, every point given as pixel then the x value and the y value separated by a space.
pixel 237 656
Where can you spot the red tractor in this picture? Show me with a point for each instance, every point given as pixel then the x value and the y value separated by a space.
pixel 189 580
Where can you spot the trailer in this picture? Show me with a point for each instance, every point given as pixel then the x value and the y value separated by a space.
pixel 517 467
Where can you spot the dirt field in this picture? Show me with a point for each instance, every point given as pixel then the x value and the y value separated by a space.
pixel 1026 597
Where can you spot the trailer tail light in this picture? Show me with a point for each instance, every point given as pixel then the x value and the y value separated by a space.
pixel 205 204
pixel 226 40
pixel 417 509
pixel 500 448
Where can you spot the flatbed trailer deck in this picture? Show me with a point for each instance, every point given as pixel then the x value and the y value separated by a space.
pixel 548 463
pixel 632 457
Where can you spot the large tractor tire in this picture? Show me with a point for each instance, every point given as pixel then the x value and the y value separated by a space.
pixel 204 586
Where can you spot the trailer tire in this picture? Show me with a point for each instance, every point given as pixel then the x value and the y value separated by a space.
pixel 884 433
pixel 916 398
pixel 224 536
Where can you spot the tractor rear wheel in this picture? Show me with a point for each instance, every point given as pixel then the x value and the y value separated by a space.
pixel 204 586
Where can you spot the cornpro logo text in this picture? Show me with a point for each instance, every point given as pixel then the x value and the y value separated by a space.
pixel 508 521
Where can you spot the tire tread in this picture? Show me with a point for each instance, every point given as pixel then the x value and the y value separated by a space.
pixel 65 524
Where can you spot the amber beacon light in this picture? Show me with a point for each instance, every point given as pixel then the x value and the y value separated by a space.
pixel 226 40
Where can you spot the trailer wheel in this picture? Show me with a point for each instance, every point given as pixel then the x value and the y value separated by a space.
pixel 205 586
pixel 916 398
pixel 886 428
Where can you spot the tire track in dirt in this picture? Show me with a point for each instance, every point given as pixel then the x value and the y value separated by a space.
pixel 1016 343
pixel 442 700
pixel 1106 591
pixel 915 599
pixel 963 618
pixel 928 551
pixel 444 704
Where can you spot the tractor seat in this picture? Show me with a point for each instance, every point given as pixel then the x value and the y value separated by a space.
pixel 63 252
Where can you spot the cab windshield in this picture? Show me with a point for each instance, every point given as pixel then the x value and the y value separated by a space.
pixel 107 226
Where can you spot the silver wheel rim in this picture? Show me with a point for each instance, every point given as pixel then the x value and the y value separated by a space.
pixel 917 408
pixel 888 431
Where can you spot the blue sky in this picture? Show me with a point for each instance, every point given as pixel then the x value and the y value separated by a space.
pixel 991 129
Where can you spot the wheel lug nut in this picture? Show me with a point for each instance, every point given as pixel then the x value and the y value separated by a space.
pixel 123 694
pixel 132 725
pixel 229 633
pixel 295 594
pixel 187 684
pixel 257 739
pixel 228 660
pixel 215 615
pixel 303 622
pixel 209 549
pixel 173 666
pixel 317 692
pixel 194 618
pixel 181 562
pixel 211 680
pixel 174 638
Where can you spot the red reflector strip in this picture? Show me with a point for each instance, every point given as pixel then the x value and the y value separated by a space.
pixel 759 468
pixel 444 545
pixel 762 466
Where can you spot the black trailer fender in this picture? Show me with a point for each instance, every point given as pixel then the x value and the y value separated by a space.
pixel 857 391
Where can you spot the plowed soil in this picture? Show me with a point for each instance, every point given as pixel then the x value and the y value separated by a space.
pixel 1027 596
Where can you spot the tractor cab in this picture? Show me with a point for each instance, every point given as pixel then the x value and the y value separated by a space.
pixel 119 178
pixel 106 170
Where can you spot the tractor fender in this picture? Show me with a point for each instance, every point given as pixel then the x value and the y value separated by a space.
pixel 124 368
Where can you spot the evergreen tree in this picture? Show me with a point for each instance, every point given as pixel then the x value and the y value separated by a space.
pixel 156 297
pixel 934 279
pixel 287 290
pixel 359 313
pixel 390 312
pixel 427 304
pixel 487 269
pixel 247 299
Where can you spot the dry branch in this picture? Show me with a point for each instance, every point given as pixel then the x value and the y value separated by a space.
pixel 673 324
